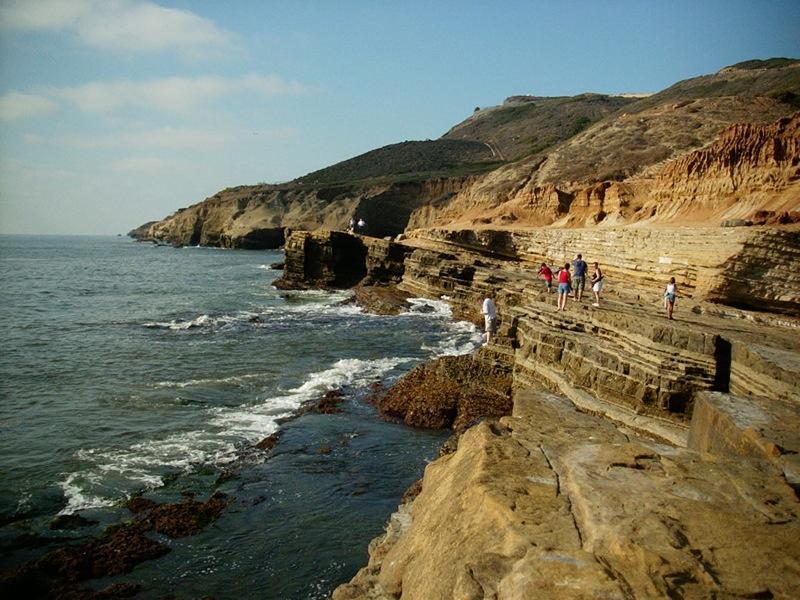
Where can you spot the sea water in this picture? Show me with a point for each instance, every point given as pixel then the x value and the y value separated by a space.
pixel 131 369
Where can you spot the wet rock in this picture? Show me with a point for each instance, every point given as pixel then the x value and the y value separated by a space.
pixel 226 475
pixel 449 392
pixel 184 518
pixel 381 299
pixel 412 492
pixel 269 442
pixel 59 573
pixel 329 403
pixel 278 266
pixel 324 450
pixel 137 504
pixel 71 522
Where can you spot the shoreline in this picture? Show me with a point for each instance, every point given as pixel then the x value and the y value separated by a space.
pixel 326 404
pixel 666 394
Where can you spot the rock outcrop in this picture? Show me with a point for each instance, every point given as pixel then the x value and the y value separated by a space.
pixel 554 503
pixel 450 392
pixel 708 150
pixel 257 216
pixel 746 169
pixel 642 454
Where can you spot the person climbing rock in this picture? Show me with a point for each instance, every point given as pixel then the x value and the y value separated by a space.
pixel 564 286
pixel 547 275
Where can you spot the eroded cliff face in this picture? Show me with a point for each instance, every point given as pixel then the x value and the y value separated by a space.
pixel 644 458
pixel 256 216
pixel 748 168
pixel 742 171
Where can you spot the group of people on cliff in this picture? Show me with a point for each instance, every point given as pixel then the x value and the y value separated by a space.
pixel 570 283
pixel 574 283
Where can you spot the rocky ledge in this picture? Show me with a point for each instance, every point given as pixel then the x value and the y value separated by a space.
pixel 552 502
pixel 638 457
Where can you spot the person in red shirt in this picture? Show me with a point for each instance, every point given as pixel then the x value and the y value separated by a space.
pixel 564 287
pixel 547 275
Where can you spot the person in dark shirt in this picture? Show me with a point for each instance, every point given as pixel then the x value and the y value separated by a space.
pixel 579 267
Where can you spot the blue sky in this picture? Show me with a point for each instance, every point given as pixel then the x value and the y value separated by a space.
pixel 117 112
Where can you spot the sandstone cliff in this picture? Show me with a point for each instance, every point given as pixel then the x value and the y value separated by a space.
pixel 747 168
pixel 643 458
pixel 578 162
pixel 256 216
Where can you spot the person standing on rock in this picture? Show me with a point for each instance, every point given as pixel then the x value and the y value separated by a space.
pixel 670 293
pixel 352 226
pixel 489 311
pixel 547 275
pixel 564 285
pixel 597 284
pixel 579 276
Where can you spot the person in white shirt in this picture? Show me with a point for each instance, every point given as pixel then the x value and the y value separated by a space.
pixel 489 311
pixel 670 293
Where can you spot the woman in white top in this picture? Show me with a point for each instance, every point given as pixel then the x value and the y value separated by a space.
pixel 670 293
pixel 597 284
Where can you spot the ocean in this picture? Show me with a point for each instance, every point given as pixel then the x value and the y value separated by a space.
pixel 133 369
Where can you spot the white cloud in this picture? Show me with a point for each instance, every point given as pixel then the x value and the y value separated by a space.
pixel 126 25
pixel 15 105
pixel 174 94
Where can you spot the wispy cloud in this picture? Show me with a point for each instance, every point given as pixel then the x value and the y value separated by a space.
pixel 162 138
pixel 175 94
pixel 16 105
pixel 125 25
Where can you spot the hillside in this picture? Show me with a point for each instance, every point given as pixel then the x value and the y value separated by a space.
pixel 525 125
pixel 570 162
pixel 410 158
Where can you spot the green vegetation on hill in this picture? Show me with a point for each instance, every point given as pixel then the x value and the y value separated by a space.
pixel 588 137
pixel 770 63
pixel 420 158
pixel 525 125
pixel 776 78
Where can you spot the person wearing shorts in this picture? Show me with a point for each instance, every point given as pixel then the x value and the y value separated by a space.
pixel 547 275
pixel 579 276
pixel 597 284
pixel 670 293
pixel 563 287
pixel 489 311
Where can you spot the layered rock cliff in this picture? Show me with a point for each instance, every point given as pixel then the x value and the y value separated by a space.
pixel 257 216
pixel 586 161
pixel 747 168
pixel 644 458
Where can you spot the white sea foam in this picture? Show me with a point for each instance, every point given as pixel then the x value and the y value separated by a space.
pixel 255 422
pixel 112 473
pixel 236 380
pixel 463 337
pixel 204 320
